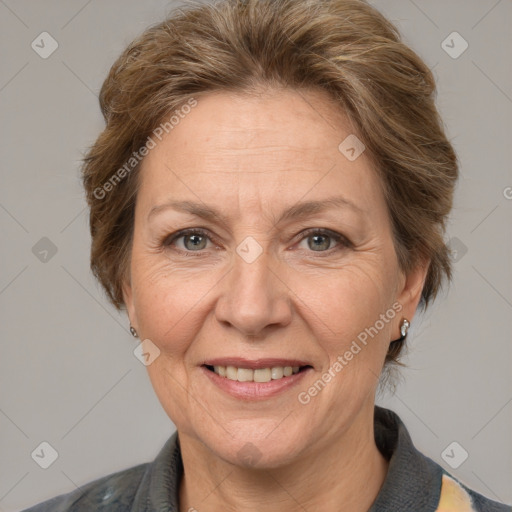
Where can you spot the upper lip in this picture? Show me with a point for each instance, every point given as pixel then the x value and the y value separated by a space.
pixel 254 364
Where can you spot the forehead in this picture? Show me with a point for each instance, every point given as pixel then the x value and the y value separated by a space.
pixel 258 151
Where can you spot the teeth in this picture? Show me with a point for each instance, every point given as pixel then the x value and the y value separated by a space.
pixel 245 375
pixel 262 375
pixel 277 372
pixel 259 375
pixel 231 372
pixel 220 370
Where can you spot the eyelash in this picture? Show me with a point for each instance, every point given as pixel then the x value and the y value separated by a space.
pixel 342 241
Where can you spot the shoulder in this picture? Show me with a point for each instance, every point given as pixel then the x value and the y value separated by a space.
pixel 114 492
pixel 415 481
pixel 149 486
pixel 455 496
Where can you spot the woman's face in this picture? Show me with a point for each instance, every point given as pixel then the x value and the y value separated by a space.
pixel 261 282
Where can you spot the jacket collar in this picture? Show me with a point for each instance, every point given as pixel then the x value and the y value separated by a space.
pixel 413 481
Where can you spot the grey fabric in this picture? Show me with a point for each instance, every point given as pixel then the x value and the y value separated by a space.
pixel 413 482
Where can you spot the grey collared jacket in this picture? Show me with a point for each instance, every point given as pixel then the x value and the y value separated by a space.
pixel 414 482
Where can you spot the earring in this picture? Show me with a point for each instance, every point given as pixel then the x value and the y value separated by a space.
pixel 134 332
pixel 403 328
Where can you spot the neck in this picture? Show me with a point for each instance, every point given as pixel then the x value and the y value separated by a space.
pixel 344 475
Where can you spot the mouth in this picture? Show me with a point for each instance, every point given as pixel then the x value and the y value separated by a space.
pixel 255 379
pixel 261 374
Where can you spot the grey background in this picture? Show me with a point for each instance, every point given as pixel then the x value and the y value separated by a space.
pixel 68 373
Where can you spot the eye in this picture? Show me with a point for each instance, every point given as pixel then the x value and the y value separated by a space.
pixel 321 240
pixel 194 240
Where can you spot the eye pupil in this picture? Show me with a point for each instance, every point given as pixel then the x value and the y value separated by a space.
pixel 198 239
pixel 324 245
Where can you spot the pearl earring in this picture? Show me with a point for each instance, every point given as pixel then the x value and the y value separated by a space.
pixel 403 328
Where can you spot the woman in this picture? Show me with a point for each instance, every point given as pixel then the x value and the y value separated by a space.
pixel 268 202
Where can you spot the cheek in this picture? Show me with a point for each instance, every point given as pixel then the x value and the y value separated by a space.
pixel 349 297
pixel 346 307
pixel 170 302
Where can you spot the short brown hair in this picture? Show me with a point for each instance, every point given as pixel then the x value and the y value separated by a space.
pixel 343 47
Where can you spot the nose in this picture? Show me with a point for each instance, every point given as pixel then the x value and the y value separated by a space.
pixel 255 297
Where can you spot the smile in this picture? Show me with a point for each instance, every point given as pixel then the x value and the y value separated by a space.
pixel 255 379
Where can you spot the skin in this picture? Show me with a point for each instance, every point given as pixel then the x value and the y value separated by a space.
pixel 251 157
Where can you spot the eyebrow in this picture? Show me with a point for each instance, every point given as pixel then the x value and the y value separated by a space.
pixel 299 210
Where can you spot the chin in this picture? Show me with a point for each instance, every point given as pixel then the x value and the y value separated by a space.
pixel 263 453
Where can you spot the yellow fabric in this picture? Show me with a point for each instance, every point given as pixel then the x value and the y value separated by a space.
pixel 453 497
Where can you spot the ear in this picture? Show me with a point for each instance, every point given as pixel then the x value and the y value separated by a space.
pixel 129 302
pixel 409 293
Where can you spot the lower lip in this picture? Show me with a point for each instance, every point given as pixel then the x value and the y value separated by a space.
pixel 255 390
